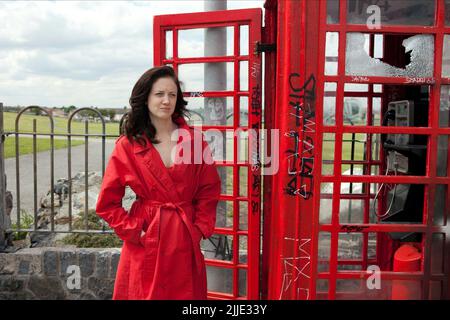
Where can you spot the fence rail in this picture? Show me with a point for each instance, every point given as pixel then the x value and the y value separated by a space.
pixel 6 229
pixel 3 217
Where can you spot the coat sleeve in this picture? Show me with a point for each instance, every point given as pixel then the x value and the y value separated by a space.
pixel 109 202
pixel 207 196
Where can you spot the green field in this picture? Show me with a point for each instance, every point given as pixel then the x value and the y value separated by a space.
pixel 60 124
pixel 328 146
pixel 43 126
pixel 26 145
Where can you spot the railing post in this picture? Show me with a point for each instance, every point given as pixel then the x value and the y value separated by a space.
pixel 3 215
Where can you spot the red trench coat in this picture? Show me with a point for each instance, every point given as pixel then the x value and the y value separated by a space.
pixel 175 206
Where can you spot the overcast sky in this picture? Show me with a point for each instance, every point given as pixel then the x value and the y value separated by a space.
pixel 86 53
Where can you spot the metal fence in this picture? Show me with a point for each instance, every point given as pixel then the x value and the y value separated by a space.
pixel 3 220
pixel 5 223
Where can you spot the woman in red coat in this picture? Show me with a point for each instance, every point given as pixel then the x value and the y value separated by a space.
pixel 176 199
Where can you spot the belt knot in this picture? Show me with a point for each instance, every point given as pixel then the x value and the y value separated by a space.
pixel 169 205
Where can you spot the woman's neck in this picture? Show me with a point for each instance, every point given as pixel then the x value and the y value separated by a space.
pixel 164 128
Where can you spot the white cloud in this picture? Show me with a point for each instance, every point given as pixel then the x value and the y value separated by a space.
pixel 86 53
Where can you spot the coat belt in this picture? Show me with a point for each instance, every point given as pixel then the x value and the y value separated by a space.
pixel 154 227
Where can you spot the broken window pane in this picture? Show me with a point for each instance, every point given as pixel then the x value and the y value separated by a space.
pixel 392 12
pixel 446 56
pixel 359 62
pixel 421 49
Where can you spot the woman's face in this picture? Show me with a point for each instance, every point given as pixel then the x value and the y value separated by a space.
pixel 162 99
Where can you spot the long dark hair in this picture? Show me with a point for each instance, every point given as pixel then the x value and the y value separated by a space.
pixel 137 122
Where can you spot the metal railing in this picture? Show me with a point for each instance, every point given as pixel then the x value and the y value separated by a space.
pixel 3 217
pixel 5 227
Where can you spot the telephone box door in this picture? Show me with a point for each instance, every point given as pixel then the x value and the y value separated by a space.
pixel 214 55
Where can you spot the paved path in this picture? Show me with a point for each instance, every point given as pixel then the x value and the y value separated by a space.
pixel 43 171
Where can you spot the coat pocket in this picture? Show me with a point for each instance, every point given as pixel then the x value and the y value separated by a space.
pixel 148 240
pixel 151 228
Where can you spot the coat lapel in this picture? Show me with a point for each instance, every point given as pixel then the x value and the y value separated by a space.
pixel 148 157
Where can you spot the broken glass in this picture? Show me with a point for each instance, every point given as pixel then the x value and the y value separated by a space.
pixel 359 62
pixel 421 48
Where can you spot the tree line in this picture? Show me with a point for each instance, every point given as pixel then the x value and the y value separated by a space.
pixel 108 113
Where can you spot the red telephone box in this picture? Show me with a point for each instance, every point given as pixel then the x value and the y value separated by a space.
pixel 359 91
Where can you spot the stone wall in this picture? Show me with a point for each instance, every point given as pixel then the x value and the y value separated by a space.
pixel 58 274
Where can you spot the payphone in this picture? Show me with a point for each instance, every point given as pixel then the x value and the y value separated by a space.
pixel 405 155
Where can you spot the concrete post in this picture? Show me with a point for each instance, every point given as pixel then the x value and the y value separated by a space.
pixel 215 76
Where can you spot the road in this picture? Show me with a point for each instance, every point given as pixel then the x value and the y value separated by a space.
pixel 43 170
